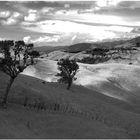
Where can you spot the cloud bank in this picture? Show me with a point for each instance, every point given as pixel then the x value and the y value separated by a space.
pixel 69 22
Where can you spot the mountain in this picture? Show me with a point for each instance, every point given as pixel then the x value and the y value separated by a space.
pixel 79 47
pixel 135 40
pixel 48 49
pixel 124 51
pixel 75 48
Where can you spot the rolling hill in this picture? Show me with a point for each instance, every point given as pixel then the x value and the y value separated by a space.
pixel 79 47
pixel 124 51
pixel 104 101
pixel 120 81
pixel 82 113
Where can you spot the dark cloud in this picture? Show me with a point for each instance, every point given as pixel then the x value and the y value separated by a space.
pixel 129 4
pixel 129 10
pixel 14 32
pixel 4 5
pixel 54 4
pixel 41 4
pixel 120 11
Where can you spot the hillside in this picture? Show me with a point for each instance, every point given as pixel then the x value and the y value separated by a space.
pixel 119 81
pixel 70 69
pixel 18 122
pixel 82 113
pixel 104 101
pixel 86 46
pixel 48 49
pixel 79 47
pixel 124 51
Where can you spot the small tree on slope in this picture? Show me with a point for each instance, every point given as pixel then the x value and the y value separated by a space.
pixel 68 69
pixel 15 59
pixel 33 54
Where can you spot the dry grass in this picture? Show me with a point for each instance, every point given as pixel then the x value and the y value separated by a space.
pixel 79 104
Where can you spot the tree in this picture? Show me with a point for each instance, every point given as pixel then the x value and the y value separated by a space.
pixel 68 69
pixel 33 54
pixel 15 59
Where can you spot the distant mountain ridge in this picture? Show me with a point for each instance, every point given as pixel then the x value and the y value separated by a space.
pixel 75 48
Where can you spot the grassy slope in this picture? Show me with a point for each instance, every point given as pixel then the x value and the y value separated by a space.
pixel 106 120
pixel 120 81
pixel 18 122
pixel 117 80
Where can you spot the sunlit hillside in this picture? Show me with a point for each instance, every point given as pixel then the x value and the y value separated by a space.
pixel 119 81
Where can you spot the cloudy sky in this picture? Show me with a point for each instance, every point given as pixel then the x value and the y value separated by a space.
pixel 68 22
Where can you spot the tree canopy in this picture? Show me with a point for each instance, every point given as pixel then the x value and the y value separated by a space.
pixel 15 58
pixel 68 69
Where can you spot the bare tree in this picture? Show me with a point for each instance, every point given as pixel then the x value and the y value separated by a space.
pixel 15 59
pixel 68 69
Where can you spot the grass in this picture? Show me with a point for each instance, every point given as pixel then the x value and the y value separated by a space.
pixel 47 110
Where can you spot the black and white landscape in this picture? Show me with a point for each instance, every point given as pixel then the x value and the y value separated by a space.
pixel 70 69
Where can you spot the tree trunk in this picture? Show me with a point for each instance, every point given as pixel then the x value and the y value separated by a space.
pixel 69 84
pixel 32 60
pixel 4 102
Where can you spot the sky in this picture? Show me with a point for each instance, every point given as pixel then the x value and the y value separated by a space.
pixel 56 23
